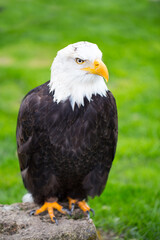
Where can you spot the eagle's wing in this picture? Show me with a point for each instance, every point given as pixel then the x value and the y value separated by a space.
pixel 28 134
pixel 25 134
pixel 107 131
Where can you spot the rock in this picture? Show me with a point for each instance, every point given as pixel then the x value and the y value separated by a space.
pixel 16 223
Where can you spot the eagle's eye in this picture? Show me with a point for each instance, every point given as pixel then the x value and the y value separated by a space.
pixel 79 61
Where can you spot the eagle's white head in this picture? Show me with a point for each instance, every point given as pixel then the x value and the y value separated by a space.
pixel 77 72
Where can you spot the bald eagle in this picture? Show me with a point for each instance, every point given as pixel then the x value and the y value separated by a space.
pixel 67 131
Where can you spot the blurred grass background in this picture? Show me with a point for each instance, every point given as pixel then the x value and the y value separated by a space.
pixel 128 33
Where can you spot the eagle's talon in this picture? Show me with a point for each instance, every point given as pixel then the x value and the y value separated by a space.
pixel 55 220
pixel 32 212
pixel 72 207
pixel 88 214
pixel 93 212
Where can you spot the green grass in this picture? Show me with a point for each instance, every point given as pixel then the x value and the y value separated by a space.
pixel 31 32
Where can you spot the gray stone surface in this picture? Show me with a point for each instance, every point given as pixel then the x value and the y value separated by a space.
pixel 15 223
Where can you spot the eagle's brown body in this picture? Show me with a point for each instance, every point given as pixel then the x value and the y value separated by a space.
pixel 64 152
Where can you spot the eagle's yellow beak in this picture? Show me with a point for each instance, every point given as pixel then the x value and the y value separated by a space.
pixel 98 68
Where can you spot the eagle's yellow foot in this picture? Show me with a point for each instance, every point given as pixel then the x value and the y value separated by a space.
pixel 82 205
pixel 85 208
pixel 49 206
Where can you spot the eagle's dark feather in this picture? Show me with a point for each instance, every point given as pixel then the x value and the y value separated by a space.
pixel 64 152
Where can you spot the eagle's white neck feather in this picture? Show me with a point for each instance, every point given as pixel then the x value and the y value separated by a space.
pixel 72 88
pixel 68 81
